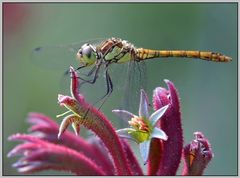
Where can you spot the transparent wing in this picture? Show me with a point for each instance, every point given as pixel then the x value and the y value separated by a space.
pixel 128 79
pixel 59 56
pixel 136 73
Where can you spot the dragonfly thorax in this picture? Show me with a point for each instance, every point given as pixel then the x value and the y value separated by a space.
pixel 117 50
pixel 87 55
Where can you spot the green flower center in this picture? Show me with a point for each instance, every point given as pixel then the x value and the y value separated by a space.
pixel 141 127
pixel 139 124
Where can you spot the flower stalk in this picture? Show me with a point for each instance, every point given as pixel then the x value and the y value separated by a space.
pixel 86 115
pixel 171 150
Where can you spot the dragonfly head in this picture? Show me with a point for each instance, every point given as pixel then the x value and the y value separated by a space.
pixel 87 55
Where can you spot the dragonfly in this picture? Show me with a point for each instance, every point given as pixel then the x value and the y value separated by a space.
pixel 93 56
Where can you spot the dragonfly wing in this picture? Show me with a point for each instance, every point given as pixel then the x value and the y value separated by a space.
pixel 59 56
pixel 136 81
pixel 54 57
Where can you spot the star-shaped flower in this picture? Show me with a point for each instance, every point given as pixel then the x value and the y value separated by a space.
pixel 142 127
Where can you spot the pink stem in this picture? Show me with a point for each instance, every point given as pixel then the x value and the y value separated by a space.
pixel 171 124
pixel 99 124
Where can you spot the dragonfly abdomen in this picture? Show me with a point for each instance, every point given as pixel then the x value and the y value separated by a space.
pixel 143 54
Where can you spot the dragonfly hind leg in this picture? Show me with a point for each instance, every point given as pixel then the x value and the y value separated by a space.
pixel 109 83
pixel 109 89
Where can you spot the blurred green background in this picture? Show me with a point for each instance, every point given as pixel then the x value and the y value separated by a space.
pixel 208 90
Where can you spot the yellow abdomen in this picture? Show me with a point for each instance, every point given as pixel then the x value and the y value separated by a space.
pixel 143 54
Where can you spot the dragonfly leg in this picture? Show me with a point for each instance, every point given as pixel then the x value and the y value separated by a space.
pixel 91 71
pixel 80 67
pixel 67 72
pixel 109 89
pixel 92 81
pixel 109 84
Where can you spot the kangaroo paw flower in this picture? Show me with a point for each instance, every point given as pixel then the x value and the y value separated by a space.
pixel 197 155
pixel 39 155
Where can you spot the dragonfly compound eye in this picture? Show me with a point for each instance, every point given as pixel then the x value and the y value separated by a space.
pixel 80 51
pixel 87 51
pixel 86 55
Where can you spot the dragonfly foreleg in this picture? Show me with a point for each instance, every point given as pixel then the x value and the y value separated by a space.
pixel 90 72
pixel 92 81
pixel 67 72
pixel 80 67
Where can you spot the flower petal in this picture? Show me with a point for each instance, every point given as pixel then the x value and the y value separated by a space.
pixel 23 149
pixel 68 102
pixel 65 123
pixel 158 133
pixel 144 150
pixel 154 118
pixel 124 133
pixel 76 128
pixel 51 156
pixel 125 115
pixel 143 106
pixel 41 119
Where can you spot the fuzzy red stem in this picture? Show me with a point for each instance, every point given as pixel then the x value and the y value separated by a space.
pixel 132 161
pixel 50 130
pixel 99 124
pixel 154 156
pixel 171 124
pixel 54 157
